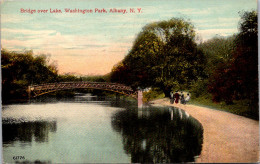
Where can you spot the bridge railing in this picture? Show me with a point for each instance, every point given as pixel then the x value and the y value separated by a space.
pixel 40 89
pixel 80 84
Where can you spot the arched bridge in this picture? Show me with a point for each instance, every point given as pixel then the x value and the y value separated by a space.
pixel 37 90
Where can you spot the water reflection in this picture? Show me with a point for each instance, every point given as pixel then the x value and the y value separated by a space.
pixel 85 135
pixel 27 131
pixel 159 135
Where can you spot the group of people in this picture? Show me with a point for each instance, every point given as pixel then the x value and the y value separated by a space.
pixel 179 98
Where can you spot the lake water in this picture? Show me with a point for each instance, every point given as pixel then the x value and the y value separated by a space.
pixel 89 129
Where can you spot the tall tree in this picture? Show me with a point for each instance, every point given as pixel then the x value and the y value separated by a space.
pixel 22 69
pixel 239 78
pixel 165 55
pixel 245 64
pixel 217 51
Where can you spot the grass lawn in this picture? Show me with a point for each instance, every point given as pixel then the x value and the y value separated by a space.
pixel 239 107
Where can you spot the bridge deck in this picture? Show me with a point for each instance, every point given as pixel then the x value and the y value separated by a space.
pixel 37 90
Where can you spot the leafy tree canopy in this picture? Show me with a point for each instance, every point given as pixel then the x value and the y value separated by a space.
pixel 239 78
pixel 163 55
pixel 218 50
pixel 20 69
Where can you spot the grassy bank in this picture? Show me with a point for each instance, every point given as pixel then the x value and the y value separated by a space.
pixel 154 93
pixel 240 107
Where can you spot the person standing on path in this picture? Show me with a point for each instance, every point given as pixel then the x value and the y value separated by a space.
pixel 187 98
pixel 171 97
pixel 182 100
pixel 176 96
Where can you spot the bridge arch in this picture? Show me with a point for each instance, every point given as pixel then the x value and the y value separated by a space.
pixel 41 89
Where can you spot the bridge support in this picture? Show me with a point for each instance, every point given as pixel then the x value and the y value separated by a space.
pixel 29 93
pixel 140 98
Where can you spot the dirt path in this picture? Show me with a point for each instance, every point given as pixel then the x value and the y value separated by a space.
pixel 227 137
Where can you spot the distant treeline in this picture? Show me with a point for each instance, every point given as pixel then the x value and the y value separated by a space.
pixel 21 69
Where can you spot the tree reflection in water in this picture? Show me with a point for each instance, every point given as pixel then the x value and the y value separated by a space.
pixel 27 131
pixel 159 135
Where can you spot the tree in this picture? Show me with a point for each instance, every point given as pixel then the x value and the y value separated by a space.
pixel 239 78
pixel 245 64
pixel 164 55
pixel 22 69
pixel 217 51
pixel 120 74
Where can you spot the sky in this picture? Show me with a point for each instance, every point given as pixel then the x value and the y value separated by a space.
pixel 92 43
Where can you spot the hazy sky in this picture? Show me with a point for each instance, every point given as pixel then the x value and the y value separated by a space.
pixel 92 43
